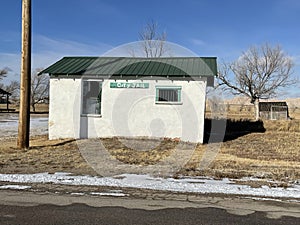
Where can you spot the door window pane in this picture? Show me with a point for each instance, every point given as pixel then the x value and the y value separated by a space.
pixel 91 99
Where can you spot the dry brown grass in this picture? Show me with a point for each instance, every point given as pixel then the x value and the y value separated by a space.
pixel 40 108
pixel 44 156
pixel 273 155
pixel 161 149
pixel 266 149
pixel 282 125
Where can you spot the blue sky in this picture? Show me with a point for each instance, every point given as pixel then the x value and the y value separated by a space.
pixel 222 28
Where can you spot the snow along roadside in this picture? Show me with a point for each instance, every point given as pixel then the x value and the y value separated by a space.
pixel 198 185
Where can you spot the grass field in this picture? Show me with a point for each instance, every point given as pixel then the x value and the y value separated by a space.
pixel 263 149
pixel 263 154
pixel 272 155
pixel 44 156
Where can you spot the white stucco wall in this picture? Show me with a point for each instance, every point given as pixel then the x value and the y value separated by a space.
pixel 127 111
pixel 64 109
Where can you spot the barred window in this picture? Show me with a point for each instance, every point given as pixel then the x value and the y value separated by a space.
pixel 168 94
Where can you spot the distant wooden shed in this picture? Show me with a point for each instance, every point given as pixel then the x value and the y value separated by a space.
pixel 273 110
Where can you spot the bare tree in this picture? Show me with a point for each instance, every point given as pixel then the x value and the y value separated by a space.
pixel 153 42
pixel 3 72
pixel 13 88
pixel 39 88
pixel 258 74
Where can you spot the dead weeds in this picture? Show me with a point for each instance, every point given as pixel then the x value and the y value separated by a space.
pixel 135 153
pixel 270 155
pixel 43 156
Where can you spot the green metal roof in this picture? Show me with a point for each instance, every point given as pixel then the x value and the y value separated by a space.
pixel 129 66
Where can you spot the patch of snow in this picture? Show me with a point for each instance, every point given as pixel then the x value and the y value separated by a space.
pixel 9 125
pixel 224 186
pixel 270 199
pixel 77 193
pixel 109 194
pixel 15 187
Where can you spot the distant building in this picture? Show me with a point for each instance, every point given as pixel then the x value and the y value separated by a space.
pixel 273 110
pixel 129 97
pixel 4 98
pixel 44 100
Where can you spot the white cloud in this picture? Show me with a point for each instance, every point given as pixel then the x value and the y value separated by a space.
pixel 287 5
pixel 198 42
pixel 99 7
pixel 296 59
pixel 47 51
pixel 11 61
pixel 136 49
pixel 43 44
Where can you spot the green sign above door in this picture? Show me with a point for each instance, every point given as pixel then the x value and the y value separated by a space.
pixel 128 85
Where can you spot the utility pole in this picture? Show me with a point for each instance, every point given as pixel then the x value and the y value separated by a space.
pixel 24 114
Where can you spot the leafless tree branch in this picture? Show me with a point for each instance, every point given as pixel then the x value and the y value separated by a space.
pixel 3 72
pixel 153 43
pixel 258 73
pixel 39 88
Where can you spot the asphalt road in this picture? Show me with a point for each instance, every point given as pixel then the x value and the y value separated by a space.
pixel 83 214
pixel 22 208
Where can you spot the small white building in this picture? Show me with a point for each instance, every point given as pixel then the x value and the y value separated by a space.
pixel 129 97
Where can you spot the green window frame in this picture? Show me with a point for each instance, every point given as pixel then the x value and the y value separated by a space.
pixel 91 97
pixel 168 95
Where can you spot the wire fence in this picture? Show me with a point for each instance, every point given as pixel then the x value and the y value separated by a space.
pixel 247 111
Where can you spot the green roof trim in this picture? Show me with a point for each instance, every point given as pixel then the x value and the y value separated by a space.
pixel 130 66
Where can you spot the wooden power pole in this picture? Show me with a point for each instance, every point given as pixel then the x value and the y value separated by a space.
pixel 24 114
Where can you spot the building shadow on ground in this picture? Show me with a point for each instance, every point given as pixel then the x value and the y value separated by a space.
pixel 60 143
pixel 222 130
